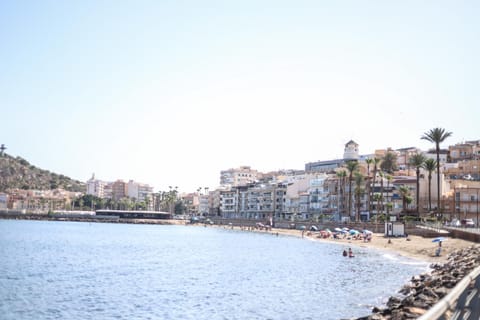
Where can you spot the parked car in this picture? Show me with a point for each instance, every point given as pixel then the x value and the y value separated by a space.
pixel 468 223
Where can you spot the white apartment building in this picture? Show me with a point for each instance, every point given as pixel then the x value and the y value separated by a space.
pixel 96 187
pixel 239 176
pixel 139 191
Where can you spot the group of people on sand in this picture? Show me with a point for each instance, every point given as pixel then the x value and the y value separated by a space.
pixel 349 253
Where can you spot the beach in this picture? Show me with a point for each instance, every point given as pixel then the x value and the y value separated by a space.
pixel 415 247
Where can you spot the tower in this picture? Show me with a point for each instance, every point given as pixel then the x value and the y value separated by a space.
pixel 351 151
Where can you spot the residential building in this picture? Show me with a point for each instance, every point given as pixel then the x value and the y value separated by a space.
pixel 140 192
pixel 96 187
pixel 255 201
pixel 239 177
pixel 466 203
pixel 468 150
pixel 119 190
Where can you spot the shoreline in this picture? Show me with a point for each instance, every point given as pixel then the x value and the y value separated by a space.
pixel 416 247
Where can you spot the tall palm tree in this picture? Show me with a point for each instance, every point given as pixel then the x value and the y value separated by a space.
pixel 437 136
pixel 417 161
pixel 358 193
pixel 430 165
pixel 376 162
pixel 352 166
pixel 341 188
pixel 368 161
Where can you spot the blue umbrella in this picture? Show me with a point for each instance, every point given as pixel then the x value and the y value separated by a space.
pixel 353 232
pixel 302 227
pixel 439 239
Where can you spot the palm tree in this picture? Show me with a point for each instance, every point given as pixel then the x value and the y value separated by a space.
pixel 437 136
pixel 381 175
pixel 352 166
pixel 376 161
pixel 358 193
pixel 405 194
pixel 430 165
pixel 417 161
pixel 341 181
pixel 368 161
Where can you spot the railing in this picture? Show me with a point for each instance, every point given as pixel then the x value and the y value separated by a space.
pixel 463 302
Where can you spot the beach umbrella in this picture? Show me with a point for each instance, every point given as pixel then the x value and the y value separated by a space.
pixel 352 232
pixel 328 230
pixel 302 227
pixel 345 229
pixel 367 232
pixel 338 230
pixel 313 228
pixel 439 239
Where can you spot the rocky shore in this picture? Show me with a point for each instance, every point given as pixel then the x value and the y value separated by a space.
pixel 425 290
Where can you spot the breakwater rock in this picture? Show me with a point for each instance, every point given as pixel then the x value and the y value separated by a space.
pixel 425 290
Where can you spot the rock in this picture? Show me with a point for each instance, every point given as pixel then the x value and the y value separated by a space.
pixel 424 290
pixel 416 311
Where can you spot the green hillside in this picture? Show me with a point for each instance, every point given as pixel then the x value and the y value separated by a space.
pixel 19 173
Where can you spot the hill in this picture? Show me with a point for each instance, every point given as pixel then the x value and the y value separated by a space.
pixel 18 173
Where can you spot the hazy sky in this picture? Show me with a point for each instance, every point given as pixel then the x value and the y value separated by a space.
pixel 173 92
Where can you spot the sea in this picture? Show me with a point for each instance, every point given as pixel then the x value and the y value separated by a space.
pixel 81 270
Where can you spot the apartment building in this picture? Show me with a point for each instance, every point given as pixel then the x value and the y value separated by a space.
pixel 239 177
pixel 139 191
pixel 96 187
pixel 119 190
pixel 468 150
pixel 466 203
pixel 255 201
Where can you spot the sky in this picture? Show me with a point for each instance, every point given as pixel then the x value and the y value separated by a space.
pixel 170 93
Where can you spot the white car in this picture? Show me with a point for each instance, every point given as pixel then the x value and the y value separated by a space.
pixel 468 223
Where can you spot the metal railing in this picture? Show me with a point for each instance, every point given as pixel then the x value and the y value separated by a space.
pixel 463 302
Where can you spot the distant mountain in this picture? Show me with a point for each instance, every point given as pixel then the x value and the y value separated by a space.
pixel 17 173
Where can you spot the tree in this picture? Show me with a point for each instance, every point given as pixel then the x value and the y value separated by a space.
pixel 437 136
pixel 389 162
pixel 376 162
pixel 352 166
pixel 417 161
pixel 430 165
pixel 406 198
pixel 389 179
pixel 341 189
pixel 368 161
pixel 358 193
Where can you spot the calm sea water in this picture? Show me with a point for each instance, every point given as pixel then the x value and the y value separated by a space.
pixel 69 270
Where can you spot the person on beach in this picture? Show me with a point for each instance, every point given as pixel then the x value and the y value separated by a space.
pixel 345 253
pixel 439 249
pixel 350 253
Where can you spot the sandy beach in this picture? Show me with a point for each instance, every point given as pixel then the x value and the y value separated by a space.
pixel 416 247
